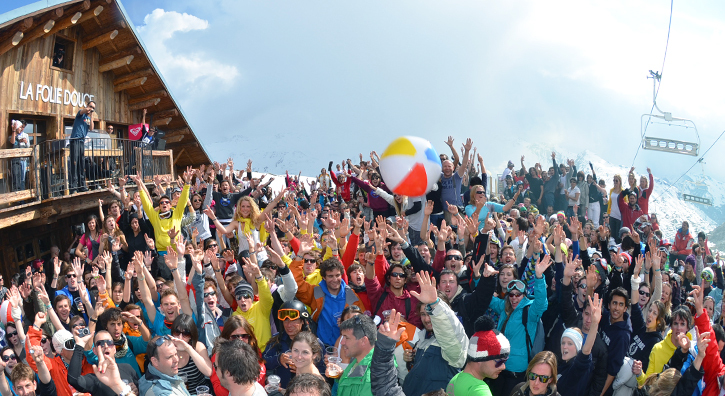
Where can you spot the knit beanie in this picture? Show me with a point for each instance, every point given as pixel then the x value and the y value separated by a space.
pixel 690 260
pixel 487 343
pixel 575 337
pixel 242 288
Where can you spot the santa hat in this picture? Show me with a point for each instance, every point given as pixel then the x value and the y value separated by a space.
pixel 487 343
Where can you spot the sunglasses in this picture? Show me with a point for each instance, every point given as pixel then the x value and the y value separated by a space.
pixel 211 293
pixel 160 341
pixel 583 286
pixel 8 357
pixel 104 343
pixel 178 333
pixel 543 378
pixel 246 295
pixel 44 340
pixel 243 337
pixel 288 314
pixel 480 192
pixel 70 276
pixel 12 334
pixel 165 203
pixel 516 295
pixel 212 246
pixel 643 293
pixel 500 362
pixel 310 261
pixel 397 274
pixel 454 257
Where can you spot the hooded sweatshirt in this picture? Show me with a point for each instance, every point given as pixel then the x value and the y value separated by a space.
pixel 616 336
pixel 660 355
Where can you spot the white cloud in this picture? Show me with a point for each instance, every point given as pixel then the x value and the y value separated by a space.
pixel 182 69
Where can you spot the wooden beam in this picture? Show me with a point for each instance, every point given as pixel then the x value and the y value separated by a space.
pixel 167 113
pixel 132 76
pixel 134 50
pixel 151 95
pixel 26 24
pixel 161 121
pixel 144 104
pixel 91 15
pixel 11 43
pixel 44 26
pixel 104 37
pixel 115 64
pixel 73 17
pixel 178 155
pixel 174 139
pixel 179 131
pixel 130 84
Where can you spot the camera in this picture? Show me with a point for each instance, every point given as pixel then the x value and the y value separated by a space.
pixel 84 332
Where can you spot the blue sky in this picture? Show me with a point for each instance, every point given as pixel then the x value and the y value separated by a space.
pixel 296 84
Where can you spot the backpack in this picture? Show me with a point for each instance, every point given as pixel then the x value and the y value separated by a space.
pixel 538 343
pixel 382 299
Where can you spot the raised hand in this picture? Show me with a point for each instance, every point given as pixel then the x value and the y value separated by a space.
pixel 428 293
pixel 391 328
pixel 428 210
pixel 15 300
pixel 596 304
pixel 149 242
pixel 449 142
pixel 542 265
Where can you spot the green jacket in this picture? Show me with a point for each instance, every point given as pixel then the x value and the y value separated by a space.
pixel 355 380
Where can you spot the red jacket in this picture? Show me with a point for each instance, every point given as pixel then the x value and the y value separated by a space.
pixel 343 189
pixel 629 214
pixel 712 364
pixel 375 292
pixel 643 199
pixel 683 243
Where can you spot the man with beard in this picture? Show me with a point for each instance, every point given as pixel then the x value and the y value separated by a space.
pixel 104 345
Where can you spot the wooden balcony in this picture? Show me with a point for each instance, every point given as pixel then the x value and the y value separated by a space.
pixel 35 182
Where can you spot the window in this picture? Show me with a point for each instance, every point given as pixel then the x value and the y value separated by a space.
pixel 35 128
pixel 29 251
pixel 63 50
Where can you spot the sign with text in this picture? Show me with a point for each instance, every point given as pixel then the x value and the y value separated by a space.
pixel 52 94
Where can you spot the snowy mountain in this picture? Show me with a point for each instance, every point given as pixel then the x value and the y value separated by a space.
pixel 666 199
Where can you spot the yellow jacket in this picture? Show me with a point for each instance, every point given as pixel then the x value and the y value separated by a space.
pixel 162 226
pixel 661 354
pixel 258 315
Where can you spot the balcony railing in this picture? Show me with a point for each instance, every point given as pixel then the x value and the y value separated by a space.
pixel 45 170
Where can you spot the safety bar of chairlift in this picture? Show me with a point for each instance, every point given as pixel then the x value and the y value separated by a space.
pixel 696 199
pixel 671 145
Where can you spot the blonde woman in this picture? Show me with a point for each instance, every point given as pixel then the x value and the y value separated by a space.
pixel 615 216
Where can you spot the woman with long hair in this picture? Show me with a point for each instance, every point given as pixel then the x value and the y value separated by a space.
pixel 237 328
pixel 247 219
pixel 194 364
pixel 541 377
pixel 111 235
pixel 306 353
pixel 511 307
pixel 615 216
pixel 91 240
pixel 506 274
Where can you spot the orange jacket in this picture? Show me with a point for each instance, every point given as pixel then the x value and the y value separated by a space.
pixel 314 297
pixel 57 368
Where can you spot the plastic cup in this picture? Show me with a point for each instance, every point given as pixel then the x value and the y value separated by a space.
pixel 331 351
pixel 202 390
pixel 334 366
pixel 273 380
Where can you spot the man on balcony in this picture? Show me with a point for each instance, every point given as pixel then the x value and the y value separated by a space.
pixel 81 125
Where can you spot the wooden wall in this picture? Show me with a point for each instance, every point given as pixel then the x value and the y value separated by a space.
pixel 31 64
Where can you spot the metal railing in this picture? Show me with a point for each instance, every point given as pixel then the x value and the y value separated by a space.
pixel 57 168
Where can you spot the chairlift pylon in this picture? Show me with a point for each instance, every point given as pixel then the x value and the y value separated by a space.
pixel 666 144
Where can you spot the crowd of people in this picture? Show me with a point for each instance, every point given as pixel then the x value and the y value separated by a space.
pixel 213 284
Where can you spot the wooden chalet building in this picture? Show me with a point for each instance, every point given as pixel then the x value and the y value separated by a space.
pixel 54 56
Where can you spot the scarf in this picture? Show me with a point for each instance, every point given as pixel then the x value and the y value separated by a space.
pixel 165 215
pixel 121 347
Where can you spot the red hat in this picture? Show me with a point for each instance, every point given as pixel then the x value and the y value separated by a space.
pixel 487 343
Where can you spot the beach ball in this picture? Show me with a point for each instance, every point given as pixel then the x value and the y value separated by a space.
pixel 707 275
pixel 410 166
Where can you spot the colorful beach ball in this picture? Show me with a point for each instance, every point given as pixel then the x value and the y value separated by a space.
pixel 410 166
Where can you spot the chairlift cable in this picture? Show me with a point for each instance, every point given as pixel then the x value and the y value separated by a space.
pixel 657 92
pixel 696 162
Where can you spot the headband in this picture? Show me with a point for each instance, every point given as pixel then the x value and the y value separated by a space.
pixel 575 337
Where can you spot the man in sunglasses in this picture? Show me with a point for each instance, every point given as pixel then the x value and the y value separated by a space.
pixel 104 345
pixel 256 313
pixel 64 344
pixel 487 353
pixel 126 347
pixel 161 377
pixel 72 290
pixel 22 379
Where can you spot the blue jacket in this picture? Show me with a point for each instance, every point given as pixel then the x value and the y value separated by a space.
pixel 155 383
pixel 519 360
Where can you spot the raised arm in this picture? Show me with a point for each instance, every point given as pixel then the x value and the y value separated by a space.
pixel 462 168
pixel 596 305
pixel 173 261
pixel 143 287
